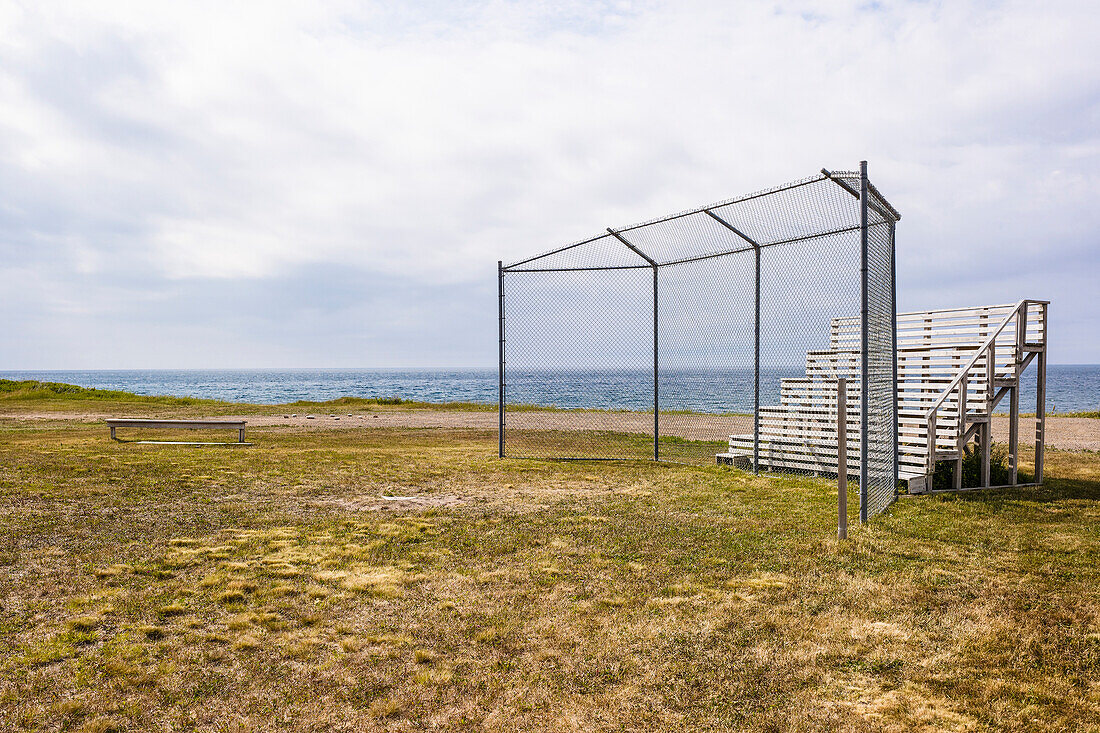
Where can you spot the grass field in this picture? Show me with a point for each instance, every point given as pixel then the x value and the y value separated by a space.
pixel 275 587
pixel 32 395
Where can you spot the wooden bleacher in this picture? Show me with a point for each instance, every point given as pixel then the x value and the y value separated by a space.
pixel 945 359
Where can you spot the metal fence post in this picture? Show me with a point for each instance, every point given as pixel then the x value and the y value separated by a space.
pixel 756 340
pixel 656 408
pixel 500 363
pixel 656 412
pixel 842 458
pixel 894 343
pixel 756 375
pixel 864 361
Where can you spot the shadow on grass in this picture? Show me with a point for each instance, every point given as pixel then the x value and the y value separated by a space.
pixel 1058 489
pixel 1054 489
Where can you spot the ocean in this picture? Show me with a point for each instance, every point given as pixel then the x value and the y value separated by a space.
pixel 1070 388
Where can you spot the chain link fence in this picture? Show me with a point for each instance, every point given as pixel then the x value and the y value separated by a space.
pixel 717 333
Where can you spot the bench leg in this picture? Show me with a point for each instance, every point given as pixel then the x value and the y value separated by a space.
pixel 113 434
pixel 242 436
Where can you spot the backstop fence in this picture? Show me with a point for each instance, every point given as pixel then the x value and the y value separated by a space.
pixel 717 333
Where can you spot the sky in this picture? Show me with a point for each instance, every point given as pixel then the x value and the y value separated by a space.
pixel 285 184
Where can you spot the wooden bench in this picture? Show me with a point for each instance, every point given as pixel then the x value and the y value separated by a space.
pixel 238 425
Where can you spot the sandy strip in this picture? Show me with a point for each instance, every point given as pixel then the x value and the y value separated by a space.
pixel 1072 433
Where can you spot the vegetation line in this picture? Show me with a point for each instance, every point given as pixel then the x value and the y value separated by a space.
pixel 35 391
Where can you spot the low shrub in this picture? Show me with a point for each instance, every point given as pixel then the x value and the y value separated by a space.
pixel 999 470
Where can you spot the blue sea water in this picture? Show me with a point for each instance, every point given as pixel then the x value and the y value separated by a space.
pixel 1070 388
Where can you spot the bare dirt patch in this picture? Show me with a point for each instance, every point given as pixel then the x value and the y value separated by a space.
pixel 1069 433
pixel 392 503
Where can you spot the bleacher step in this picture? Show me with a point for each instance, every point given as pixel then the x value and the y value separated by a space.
pixel 933 350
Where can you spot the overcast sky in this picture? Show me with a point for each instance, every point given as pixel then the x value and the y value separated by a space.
pixel 331 184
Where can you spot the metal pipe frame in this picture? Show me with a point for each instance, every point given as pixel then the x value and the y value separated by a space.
pixel 656 350
pixel 559 250
pixel 792 240
pixel 824 175
pixel 864 382
pixel 652 262
pixel 500 363
pixel 731 227
pixel 864 197
pixel 756 376
pixel 582 269
pixel 730 202
pixel 842 458
pixel 894 345
pixel 890 215
pixel 756 339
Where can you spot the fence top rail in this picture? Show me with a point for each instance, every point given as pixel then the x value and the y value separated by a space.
pixel 890 216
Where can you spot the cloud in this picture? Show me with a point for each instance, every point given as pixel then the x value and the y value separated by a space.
pixel 156 153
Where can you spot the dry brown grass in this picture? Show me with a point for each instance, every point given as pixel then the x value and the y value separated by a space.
pixel 151 587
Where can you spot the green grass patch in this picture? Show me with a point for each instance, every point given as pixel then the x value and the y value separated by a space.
pixel 171 587
pixel 34 391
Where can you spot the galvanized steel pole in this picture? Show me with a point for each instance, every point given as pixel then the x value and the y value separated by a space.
pixel 864 361
pixel 656 414
pixel 756 376
pixel 756 338
pixel 841 458
pixel 500 364
pixel 656 403
pixel 894 343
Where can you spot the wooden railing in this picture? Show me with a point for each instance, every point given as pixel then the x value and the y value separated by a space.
pixel 954 366
pixel 957 394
